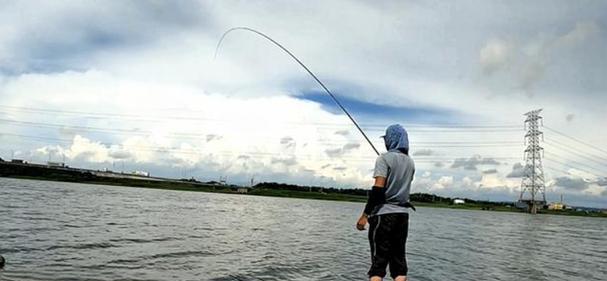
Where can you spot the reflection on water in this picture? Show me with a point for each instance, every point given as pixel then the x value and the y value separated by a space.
pixel 63 231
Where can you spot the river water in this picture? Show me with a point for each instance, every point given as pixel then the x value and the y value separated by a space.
pixel 65 231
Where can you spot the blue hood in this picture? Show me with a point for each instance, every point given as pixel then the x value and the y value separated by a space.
pixel 396 137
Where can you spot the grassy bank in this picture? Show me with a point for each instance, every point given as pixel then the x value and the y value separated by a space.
pixel 262 189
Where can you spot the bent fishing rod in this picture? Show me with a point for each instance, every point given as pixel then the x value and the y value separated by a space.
pixel 302 65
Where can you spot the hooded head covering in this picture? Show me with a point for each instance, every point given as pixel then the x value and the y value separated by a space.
pixel 396 137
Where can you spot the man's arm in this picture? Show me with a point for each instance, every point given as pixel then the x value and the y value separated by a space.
pixel 380 182
pixel 375 197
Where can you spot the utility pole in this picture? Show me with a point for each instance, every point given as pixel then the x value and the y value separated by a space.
pixel 533 189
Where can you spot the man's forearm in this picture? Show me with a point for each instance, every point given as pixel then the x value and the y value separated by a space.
pixel 376 197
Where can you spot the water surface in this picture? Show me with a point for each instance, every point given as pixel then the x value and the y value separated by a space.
pixel 66 231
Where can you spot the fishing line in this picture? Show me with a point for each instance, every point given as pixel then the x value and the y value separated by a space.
pixel 302 65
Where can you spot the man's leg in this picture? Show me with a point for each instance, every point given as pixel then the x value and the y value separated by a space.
pixel 380 247
pixel 398 236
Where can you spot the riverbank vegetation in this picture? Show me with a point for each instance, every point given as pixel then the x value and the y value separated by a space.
pixel 273 189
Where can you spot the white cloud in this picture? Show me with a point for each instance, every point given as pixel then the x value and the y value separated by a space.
pixel 580 33
pixel 467 182
pixel 493 181
pixel 443 182
pixel 202 125
pixel 494 55
pixel 527 63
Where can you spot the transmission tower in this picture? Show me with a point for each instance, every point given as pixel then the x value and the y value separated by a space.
pixel 533 189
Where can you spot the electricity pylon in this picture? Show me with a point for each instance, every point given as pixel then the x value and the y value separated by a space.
pixel 533 189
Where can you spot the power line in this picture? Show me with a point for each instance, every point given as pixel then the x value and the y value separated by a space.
pixel 192 151
pixel 577 163
pixel 556 170
pixel 577 150
pixel 596 171
pixel 574 153
pixel 136 131
pixel 181 118
pixel 575 139
pixel 568 165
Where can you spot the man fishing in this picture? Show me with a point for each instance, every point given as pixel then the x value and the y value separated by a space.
pixel 387 206
pixel 386 209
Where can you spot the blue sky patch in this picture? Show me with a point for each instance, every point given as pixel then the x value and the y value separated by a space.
pixel 372 112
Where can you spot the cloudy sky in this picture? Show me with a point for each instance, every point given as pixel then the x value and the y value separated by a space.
pixel 133 85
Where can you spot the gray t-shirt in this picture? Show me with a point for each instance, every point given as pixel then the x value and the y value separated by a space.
pixel 398 169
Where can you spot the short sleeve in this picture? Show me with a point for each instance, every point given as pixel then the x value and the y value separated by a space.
pixel 381 167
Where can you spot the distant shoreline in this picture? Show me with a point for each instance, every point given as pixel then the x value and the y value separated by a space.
pixel 62 174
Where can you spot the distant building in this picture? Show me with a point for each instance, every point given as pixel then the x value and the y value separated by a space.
pixel 223 180
pixel 56 164
pixel 459 201
pixel 556 206
pixel 141 173
pixel 242 190
pixel 18 161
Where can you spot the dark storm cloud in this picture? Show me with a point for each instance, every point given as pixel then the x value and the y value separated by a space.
pixel 120 154
pixel 569 117
pixel 350 146
pixel 490 171
pixel 576 183
pixel 570 59
pixel 212 137
pixel 287 142
pixel 423 152
pixel 413 113
pixel 336 152
pixel 78 29
pixel 288 161
pixel 518 171
pixel 342 132
pixel 472 162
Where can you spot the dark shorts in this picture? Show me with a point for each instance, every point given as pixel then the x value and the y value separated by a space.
pixel 388 236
